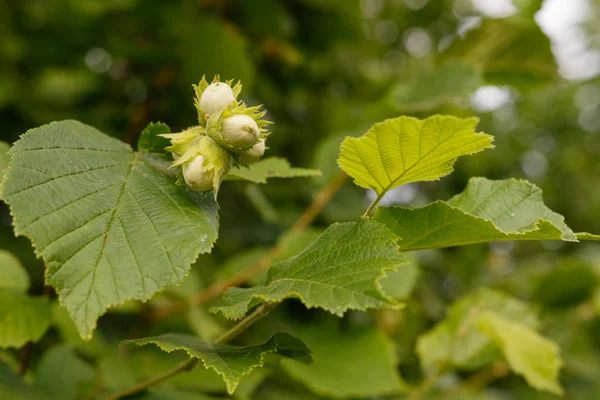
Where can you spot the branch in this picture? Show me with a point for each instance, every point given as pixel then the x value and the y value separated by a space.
pixel 188 365
pixel 216 289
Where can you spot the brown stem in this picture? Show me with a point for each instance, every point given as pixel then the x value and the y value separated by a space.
pixel 25 358
pixel 215 290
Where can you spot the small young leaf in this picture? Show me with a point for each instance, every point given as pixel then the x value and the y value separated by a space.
pixel 108 226
pixel 231 362
pixel 405 149
pixel 150 142
pixel 486 211
pixel 60 371
pixel 23 318
pixel 14 276
pixel 271 167
pixel 339 271
pixel 528 354
pixel 357 363
pixel 458 341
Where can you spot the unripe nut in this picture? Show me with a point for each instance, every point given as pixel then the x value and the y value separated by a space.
pixel 216 97
pixel 253 154
pixel 240 131
pixel 196 177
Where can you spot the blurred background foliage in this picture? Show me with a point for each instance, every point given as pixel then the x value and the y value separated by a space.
pixel 325 69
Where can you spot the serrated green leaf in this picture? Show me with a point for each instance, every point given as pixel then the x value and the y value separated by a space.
pixel 231 362
pixel 528 354
pixel 60 371
pixel 270 167
pixel 405 149
pixel 13 387
pixel 103 206
pixel 486 211
pixel 457 340
pixel 338 272
pixel 149 140
pixel 14 276
pixel 356 363
pixel 451 81
pixel 23 318
pixel 510 51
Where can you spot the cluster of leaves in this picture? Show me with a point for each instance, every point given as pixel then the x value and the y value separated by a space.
pixel 112 230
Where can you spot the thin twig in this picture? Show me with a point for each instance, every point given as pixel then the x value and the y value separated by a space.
pixel 216 289
pixel 188 365
pixel 374 204
pixel 25 358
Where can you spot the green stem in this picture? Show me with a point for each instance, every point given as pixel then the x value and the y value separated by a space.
pixel 260 312
pixel 371 208
pixel 189 365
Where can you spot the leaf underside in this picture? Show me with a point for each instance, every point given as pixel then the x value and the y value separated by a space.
pixel 108 226
pixel 337 272
pixel 271 167
pixel 405 149
pixel 231 362
pixel 486 211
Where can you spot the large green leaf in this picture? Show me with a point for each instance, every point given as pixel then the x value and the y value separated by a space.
pixel 339 271
pixel 231 362
pixel 357 363
pixel 23 318
pixel 271 167
pixel 108 226
pixel 529 354
pixel 486 211
pixel 512 51
pixel 14 276
pixel 405 149
pixel 459 342
pixel 60 371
